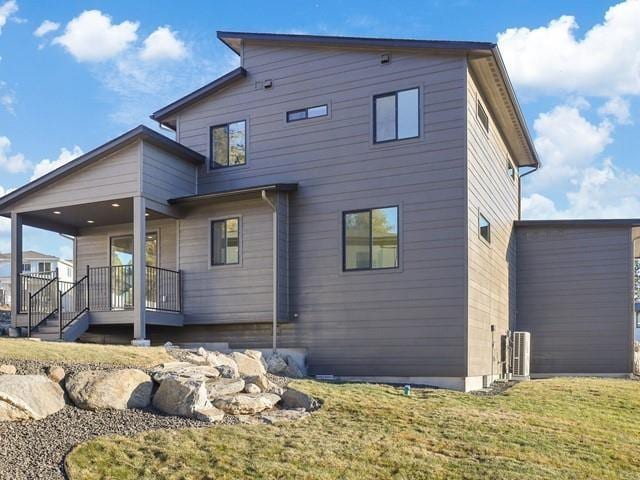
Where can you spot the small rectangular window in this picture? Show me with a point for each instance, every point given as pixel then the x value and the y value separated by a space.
pixel 637 319
pixel 511 171
pixel 484 227
pixel 228 145
pixel 482 116
pixel 396 115
pixel 304 113
pixel 26 267
pixel 370 239
pixel 225 242
pixel 44 267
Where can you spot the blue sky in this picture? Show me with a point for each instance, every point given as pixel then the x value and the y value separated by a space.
pixel 75 74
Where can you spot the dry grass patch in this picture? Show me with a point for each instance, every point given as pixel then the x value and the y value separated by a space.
pixel 20 349
pixel 560 429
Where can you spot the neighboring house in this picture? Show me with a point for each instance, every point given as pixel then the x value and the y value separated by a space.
pixel 34 264
pixel 358 198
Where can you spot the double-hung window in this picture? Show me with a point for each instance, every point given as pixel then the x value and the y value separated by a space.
pixel 228 145
pixel 225 241
pixel 396 115
pixel 370 239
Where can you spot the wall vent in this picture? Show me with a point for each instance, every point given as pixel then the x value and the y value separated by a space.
pixel 521 354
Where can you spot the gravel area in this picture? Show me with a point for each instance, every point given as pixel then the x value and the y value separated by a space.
pixel 35 450
pixel 496 388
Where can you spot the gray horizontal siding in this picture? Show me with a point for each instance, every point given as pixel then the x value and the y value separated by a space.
pixel 165 176
pixel 412 317
pixel 574 288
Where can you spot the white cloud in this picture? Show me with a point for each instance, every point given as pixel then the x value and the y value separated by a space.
pixel 618 109
pixel 6 10
pixel 7 98
pixel 163 44
pixel 567 142
pixel 46 27
pixel 16 163
pixel 45 166
pixel 605 62
pixel 91 37
pixel 604 192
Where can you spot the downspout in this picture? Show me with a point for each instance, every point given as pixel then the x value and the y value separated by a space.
pixel 275 269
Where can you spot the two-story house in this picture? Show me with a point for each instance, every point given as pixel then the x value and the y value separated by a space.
pixel 358 198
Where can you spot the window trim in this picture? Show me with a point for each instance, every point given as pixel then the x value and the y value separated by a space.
pixel 480 217
pixel 344 240
pixel 306 113
pixel 512 167
pixel 211 221
pixel 375 115
pixel 211 165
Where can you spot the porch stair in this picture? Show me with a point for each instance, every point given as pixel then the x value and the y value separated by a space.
pixel 50 329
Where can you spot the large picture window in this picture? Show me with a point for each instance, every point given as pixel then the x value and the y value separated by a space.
pixel 370 239
pixel 228 145
pixel 225 242
pixel 396 115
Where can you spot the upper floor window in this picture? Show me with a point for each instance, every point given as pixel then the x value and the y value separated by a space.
pixel 484 227
pixel 225 241
pixel 482 116
pixel 26 267
pixel 396 115
pixel 228 145
pixel 44 266
pixel 311 112
pixel 370 239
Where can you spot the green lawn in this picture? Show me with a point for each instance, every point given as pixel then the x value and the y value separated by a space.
pixel 560 429
pixel 20 349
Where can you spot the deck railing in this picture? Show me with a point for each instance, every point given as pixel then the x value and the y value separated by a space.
pixel 111 288
pixel 43 304
pixel 30 283
pixel 73 302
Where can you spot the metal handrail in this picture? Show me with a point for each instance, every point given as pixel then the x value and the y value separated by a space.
pixel 80 301
pixel 34 299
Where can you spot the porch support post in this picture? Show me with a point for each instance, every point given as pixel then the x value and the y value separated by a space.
pixel 16 265
pixel 139 271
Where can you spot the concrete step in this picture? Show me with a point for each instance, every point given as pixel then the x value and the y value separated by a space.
pixel 52 337
pixel 48 329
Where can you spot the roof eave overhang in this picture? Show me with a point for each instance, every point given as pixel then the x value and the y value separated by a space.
pixel 278 187
pixel 167 115
pixel 140 133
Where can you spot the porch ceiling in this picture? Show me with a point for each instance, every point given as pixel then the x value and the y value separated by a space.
pixel 71 219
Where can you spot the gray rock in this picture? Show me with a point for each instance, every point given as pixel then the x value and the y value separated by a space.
pixel 246 403
pixel 276 364
pixel 56 374
pixel 181 397
pixel 29 397
pixel 209 415
pixel 262 382
pixel 222 387
pixel 292 399
pixel 248 366
pixel 252 388
pixel 8 370
pixel 275 417
pixel 184 371
pixel 227 365
pixel 111 390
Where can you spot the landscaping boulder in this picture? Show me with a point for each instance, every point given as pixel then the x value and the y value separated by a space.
pixel 262 382
pixel 252 388
pixel 29 397
pixel 56 374
pixel 181 397
pixel 7 370
pixel 222 387
pixel 283 365
pixel 247 403
pixel 210 415
pixel 276 416
pixel 111 390
pixel 184 371
pixel 226 365
pixel 248 366
pixel 292 399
